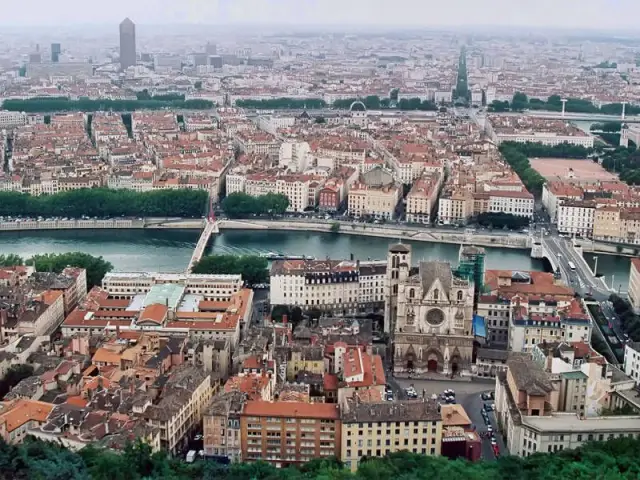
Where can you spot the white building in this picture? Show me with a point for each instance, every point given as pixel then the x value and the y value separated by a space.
pixel 632 360
pixel 12 119
pixel 553 193
pixel 576 217
pixel 336 286
pixel 513 203
pixel 634 284
pixel 212 287
pixel 295 156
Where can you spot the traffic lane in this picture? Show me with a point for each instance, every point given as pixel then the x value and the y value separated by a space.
pixel 473 405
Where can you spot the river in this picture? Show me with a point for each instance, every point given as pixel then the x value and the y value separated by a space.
pixel 170 250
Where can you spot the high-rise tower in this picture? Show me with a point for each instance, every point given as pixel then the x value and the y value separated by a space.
pixel 127 43
pixel 55 52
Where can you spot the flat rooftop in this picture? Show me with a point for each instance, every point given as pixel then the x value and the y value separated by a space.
pixel 570 422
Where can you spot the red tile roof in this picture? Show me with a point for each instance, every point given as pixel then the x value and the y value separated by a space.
pixel 326 411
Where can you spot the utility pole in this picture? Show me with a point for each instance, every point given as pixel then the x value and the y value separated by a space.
pixel 624 107
pixel 564 105
pixel 595 266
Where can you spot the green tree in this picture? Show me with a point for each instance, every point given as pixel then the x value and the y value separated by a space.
pixel 519 102
pixel 49 104
pixel 283 102
pixel 96 267
pixel 335 227
pixel 104 202
pixel 242 205
pixel 254 269
pixel 10 260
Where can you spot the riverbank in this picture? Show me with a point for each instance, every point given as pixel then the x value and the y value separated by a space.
pixel 90 224
pixel 502 240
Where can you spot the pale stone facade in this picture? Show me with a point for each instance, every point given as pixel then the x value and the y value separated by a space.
pixel 431 315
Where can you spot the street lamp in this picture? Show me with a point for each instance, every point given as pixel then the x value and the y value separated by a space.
pixel 595 265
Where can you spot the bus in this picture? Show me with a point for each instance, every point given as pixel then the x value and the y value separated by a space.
pixel 572 266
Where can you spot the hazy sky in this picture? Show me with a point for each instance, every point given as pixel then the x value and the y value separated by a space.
pixel 602 14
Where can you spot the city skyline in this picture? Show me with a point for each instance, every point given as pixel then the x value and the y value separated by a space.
pixel 569 14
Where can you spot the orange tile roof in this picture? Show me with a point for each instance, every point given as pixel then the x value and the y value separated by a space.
pixel 327 411
pixel 454 415
pixel 104 355
pixel 330 381
pixel 253 385
pixel 373 371
pixel 78 401
pixel 155 313
pixel 21 411
pixel 50 296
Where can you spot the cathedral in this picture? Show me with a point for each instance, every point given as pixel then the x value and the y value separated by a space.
pixel 429 313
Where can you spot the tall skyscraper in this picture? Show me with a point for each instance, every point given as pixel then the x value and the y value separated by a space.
pixel 56 49
pixel 127 43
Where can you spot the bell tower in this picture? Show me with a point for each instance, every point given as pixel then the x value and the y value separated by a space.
pixel 398 265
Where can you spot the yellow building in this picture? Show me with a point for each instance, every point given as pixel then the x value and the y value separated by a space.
pixel 607 224
pixel 377 201
pixel 376 429
pixel 305 358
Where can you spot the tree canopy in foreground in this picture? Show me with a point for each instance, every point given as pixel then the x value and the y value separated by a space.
pixel 613 460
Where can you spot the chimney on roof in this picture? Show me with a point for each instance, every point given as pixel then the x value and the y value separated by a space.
pixel 285 318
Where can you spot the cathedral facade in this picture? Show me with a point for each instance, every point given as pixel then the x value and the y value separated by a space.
pixel 429 312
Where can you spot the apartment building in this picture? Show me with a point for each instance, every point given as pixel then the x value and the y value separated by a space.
pixel 289 433
pixel 221 426
pixel 379 428
pixel 576 217
pixel 423 197
pixel 376 201
pixel 528 416
pixel 547 324
pixel 183 396
pixel 528 129
pixel 455 207
pixel 212 287
pixel 17 417
pixel 632 360
pixel 515 203
pixel 634 284
pixel 553 193
pixel 495 304
pixel 330 285
pixel 256 142
pixel 10 120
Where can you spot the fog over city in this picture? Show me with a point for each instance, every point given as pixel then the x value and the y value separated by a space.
pixel 566 14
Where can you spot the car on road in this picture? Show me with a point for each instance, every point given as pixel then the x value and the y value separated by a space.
pixel 487 407
pixel 496 450
pixel 485 396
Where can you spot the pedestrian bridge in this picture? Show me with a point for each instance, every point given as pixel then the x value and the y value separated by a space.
pixel 211 227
